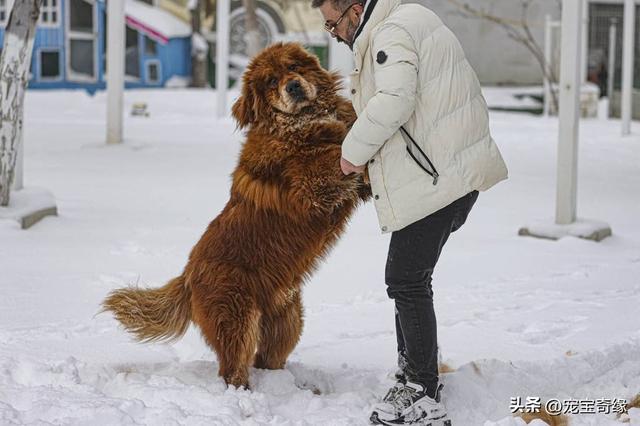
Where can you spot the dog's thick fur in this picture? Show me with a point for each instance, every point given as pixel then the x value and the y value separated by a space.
pixel 289 203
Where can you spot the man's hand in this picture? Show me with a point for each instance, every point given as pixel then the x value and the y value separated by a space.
pixel 348 168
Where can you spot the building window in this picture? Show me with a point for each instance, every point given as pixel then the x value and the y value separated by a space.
pixel 132 53
pixel 49 64
pixel 5 9
pixel 81 39
pixel 49 13
pixel 80 16
pixel 150 47
pixel 153 72
pixel 81 61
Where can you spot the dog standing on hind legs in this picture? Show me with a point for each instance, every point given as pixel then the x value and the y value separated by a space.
pixel 289 203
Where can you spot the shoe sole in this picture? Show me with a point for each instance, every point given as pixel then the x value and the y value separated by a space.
pixel 374 419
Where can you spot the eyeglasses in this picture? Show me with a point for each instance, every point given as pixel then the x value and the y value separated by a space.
pixel 331 27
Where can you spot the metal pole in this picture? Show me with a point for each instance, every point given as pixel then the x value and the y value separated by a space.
pixel 627 64
pixel 569 115
pixel 115 69
pixel 611 71
pixel 547 59
pixel 222 54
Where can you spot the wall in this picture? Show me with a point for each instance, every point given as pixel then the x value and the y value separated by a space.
pixel 496 58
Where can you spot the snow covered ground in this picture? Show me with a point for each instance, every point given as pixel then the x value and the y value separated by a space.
pixel 517 316
pixel 514 98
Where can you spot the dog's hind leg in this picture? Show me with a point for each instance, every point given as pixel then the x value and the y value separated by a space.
pixel 279 335
pixel 231 325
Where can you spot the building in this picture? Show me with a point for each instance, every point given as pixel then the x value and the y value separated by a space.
pixel 70 45
pixel 498 59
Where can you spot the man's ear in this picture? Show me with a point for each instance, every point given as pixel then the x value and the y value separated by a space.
pixel 359 9
pixel 242 109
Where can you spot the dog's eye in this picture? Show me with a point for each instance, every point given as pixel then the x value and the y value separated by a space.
pixel 293 67
pixel 273 83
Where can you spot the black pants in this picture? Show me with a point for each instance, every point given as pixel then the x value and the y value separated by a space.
pixel 413 253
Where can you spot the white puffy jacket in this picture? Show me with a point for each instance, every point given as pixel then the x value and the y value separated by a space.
pixel 411 71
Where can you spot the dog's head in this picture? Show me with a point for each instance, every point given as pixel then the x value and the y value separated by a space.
pixel 284 79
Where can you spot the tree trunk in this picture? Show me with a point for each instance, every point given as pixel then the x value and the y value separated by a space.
pixel 199 48
pixel 14 76
pixel 252 36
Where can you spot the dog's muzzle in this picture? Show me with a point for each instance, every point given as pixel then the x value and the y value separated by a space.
pixel 295 91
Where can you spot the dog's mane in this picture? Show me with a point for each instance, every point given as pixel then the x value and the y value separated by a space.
pixel 292 127
pixel 260 176
pixel 275 137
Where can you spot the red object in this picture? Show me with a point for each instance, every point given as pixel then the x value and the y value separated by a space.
pixel 133 23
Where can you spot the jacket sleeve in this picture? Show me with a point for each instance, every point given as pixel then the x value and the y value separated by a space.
pixel 395 63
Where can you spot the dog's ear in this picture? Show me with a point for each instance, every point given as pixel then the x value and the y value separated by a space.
pixel 242 109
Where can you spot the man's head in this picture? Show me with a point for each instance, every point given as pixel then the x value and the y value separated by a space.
pixel 342 17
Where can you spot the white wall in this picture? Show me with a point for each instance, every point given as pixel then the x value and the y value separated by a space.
pixel 496 58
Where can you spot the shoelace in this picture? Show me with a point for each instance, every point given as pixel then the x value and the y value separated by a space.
pixel 391 394
pixel 404 398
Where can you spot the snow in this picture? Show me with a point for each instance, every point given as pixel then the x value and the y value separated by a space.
pixel 517 316
pixel 519 97
pixel 27 201
pixel 177 81
pixel 157 19
pixel 581 228
pixel 199 45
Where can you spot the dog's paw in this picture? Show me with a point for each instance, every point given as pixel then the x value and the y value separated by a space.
pixel 327 132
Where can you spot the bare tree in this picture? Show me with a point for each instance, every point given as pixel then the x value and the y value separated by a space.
pixel 199 46
pixel 14 77
pixel 518 30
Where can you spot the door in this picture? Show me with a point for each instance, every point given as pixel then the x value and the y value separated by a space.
pixel 82 42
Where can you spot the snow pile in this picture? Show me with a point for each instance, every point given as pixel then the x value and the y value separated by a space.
pixel 27 201
pixel 517 316
pixel 582 228
pixel 155 21
pixel 514 98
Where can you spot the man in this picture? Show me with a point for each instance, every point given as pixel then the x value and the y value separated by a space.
pixel 423 133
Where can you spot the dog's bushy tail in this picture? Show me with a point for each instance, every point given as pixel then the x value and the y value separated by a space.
pixel 151 315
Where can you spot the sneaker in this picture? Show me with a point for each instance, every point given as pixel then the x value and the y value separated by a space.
pixel 412 406
pixel 400 378
pixel 391 394
pixel 387 406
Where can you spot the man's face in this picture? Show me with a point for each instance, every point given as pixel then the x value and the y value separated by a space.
pixel 347 20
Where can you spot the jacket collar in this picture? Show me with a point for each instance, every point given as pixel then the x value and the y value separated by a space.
pixel 376 12
pixel 368 8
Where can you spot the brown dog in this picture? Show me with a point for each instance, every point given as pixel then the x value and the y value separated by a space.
pixel 289 203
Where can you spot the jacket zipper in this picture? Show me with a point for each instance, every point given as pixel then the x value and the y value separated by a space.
pixel 433 174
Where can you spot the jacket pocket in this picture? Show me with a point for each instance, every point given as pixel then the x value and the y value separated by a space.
pixel 419 156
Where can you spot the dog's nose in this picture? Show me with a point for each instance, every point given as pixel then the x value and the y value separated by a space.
pixel 294 88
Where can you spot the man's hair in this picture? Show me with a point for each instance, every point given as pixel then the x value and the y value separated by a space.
pixel 341 5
